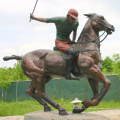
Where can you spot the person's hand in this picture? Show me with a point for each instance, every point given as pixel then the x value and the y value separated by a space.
pixel 31 16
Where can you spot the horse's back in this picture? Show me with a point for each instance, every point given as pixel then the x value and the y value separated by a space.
pixel 42 59
pixel 33 58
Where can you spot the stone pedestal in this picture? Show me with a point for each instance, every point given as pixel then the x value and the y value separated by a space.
pixel 54 115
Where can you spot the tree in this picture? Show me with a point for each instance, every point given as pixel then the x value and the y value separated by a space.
pixel 116 63
pixel 107 64
pixel 17 73
pixel 5 77
pixel 11 74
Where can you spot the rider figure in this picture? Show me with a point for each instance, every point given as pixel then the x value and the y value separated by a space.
pixel 64 27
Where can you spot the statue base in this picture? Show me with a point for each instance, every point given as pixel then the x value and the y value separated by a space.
pixel 54 115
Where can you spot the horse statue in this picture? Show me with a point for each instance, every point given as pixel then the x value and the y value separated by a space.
pixel 41 65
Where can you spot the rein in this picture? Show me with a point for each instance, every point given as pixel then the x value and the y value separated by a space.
pixel 97 37
pixel 88 41
pixel 87 50
pixel 94 39
pixel 102 27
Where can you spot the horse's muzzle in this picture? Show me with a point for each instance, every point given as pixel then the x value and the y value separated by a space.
pixel 110 29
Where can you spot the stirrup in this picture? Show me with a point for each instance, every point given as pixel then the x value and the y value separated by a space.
pixel 71 77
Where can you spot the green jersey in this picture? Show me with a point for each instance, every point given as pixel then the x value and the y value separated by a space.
pixel 63 27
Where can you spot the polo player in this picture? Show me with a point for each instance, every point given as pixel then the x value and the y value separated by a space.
pixel 64 27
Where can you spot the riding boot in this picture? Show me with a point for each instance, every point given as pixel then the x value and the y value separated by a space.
pixel 69 65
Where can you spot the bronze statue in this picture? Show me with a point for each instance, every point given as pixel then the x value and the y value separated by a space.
pixel 41 65
pixel 64 27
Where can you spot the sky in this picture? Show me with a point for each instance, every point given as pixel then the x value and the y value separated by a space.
pixel 18 36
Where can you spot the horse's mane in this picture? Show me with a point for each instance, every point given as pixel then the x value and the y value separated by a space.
pixel 82 33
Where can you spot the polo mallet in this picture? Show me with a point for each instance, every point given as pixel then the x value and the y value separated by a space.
pixel 34 9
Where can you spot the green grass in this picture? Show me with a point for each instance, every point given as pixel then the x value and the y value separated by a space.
pixel 106 105
pixel 18 108
pixel 21 108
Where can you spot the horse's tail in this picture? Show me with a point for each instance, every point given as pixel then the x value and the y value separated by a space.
pixel 12 57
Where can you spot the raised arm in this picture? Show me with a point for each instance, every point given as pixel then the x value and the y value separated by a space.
pixel 38 19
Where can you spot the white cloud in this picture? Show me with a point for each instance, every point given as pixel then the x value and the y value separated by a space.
pixel 110 48
pixel 15 7
pixel 21 36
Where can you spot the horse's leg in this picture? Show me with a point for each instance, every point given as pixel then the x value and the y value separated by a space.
pixel 94 86
pixel 31 91
pixel 95 73
pixel 62 111
pixel 40 86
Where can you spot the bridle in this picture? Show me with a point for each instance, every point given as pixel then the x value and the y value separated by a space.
pixel 89 40
pixel 105 28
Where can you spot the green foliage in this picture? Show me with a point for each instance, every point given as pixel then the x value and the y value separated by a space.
pixel 116 63
pixel 107 64
pixel 11 74
pixel 111 65
pixel 5 77
pixel 17 73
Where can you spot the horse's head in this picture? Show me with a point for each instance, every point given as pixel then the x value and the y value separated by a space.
pixel 100 23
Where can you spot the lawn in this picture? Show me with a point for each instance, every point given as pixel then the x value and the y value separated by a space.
pixel 24 107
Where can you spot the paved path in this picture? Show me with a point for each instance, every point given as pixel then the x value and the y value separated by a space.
pixel 111 114
pixel 54 115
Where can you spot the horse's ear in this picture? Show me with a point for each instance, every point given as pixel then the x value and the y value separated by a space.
pixel 90 15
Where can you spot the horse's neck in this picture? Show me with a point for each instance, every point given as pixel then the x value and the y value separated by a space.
pixel 88 32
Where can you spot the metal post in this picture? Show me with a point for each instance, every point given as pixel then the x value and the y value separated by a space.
pixel 16 89
pixel 117 88
pixel 2 95
pixel 5 96
pixel 59 87
pixel 86 89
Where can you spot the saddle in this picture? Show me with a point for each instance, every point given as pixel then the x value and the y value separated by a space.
pixel 65 56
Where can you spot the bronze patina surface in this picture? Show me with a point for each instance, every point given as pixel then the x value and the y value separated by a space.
pixel 41 65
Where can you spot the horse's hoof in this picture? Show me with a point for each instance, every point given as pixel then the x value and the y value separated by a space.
pixel 82 109
pixel 46 109
pixel 63 112
pixel 77 110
